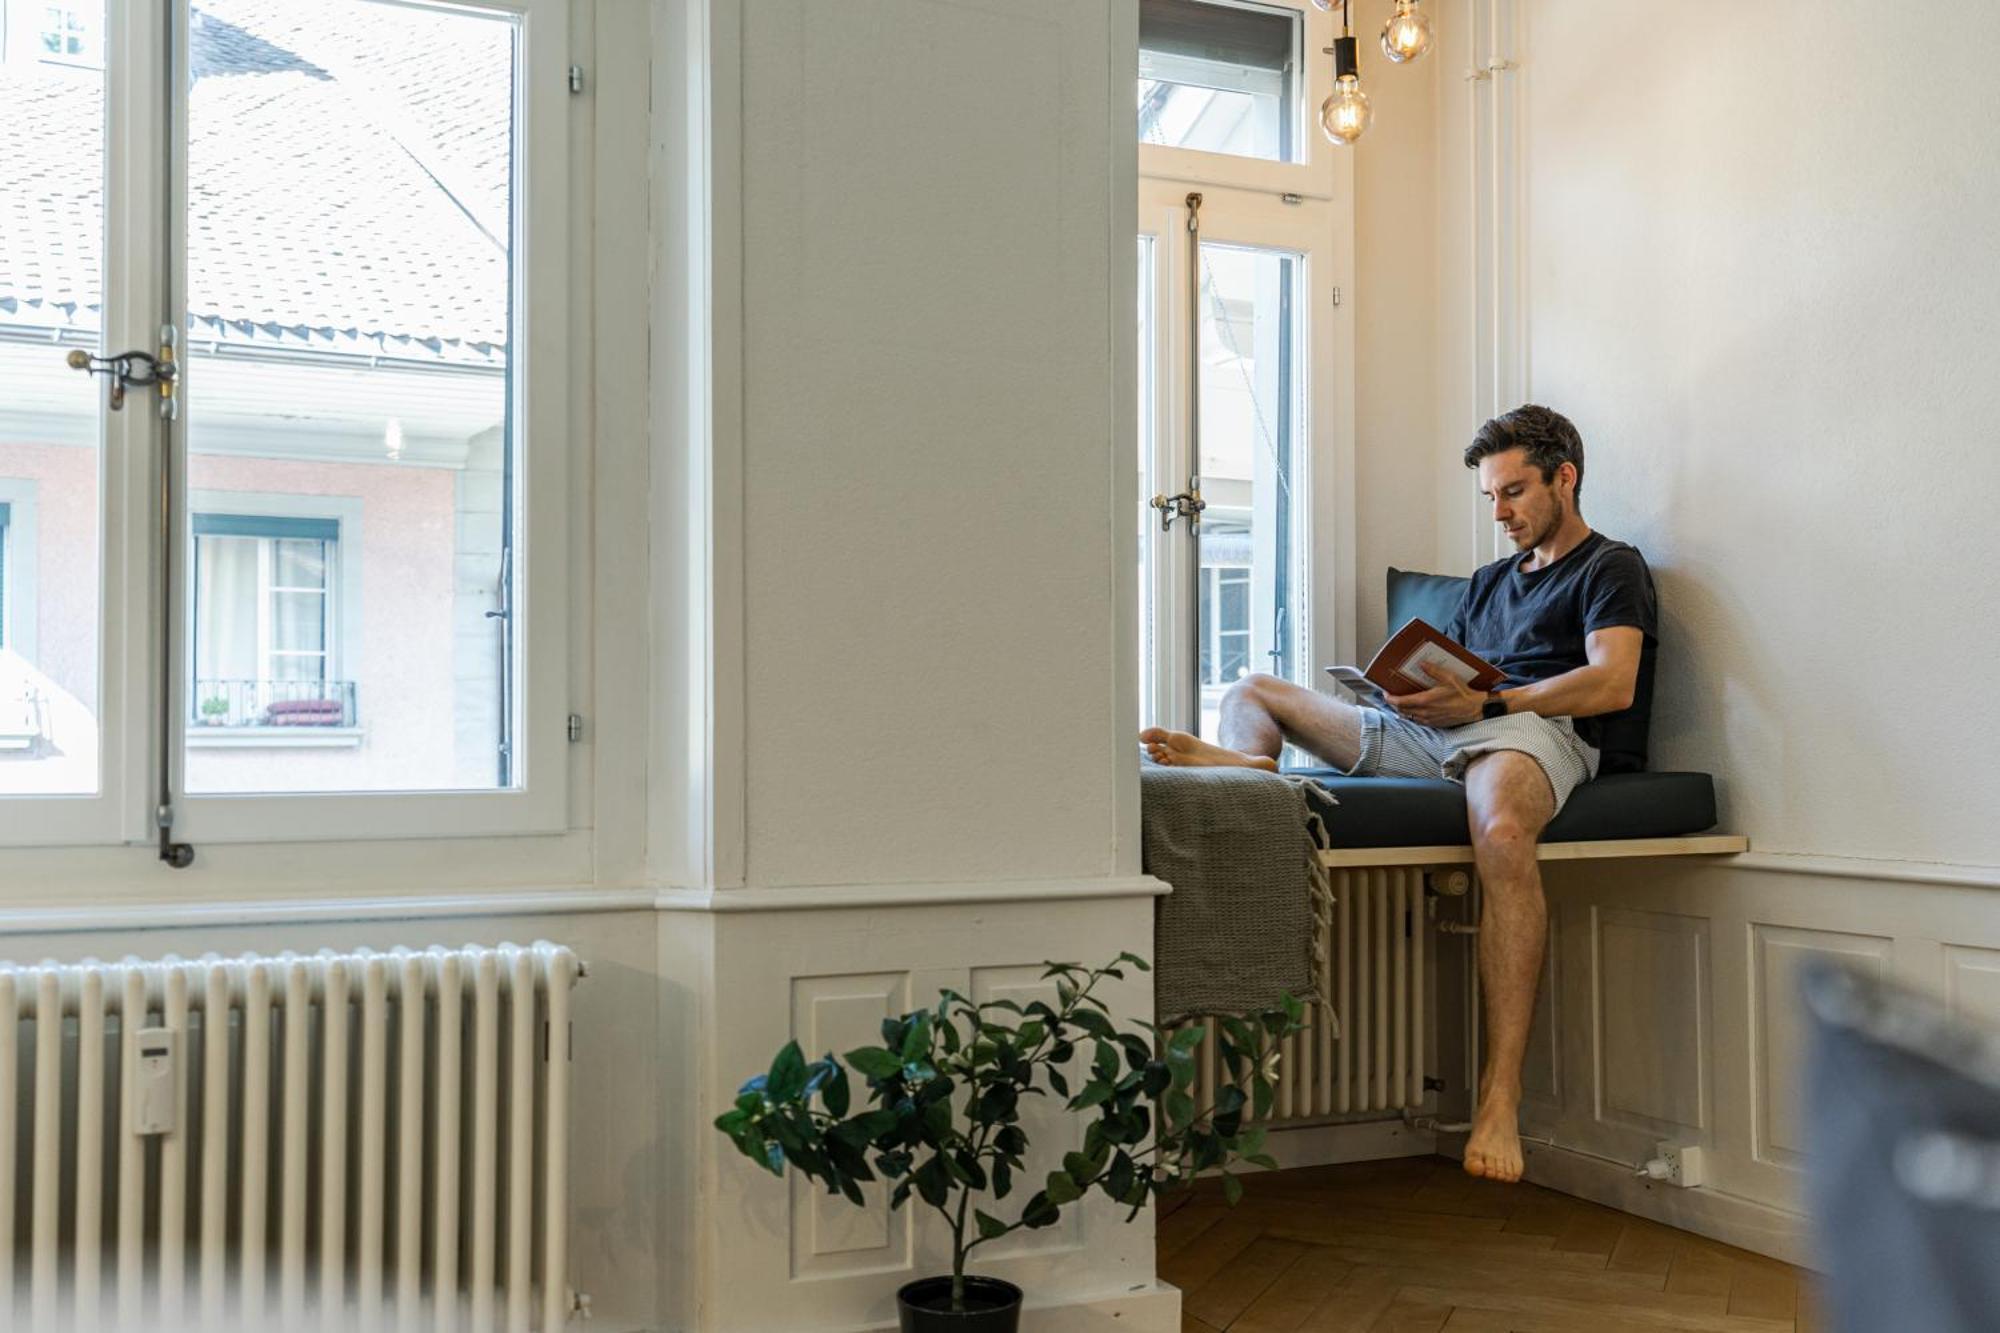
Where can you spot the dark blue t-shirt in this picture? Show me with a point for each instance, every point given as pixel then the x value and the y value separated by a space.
pixel 1531 624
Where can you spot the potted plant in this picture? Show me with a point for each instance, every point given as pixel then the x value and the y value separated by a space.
pixel 941 1119
pixel 213 710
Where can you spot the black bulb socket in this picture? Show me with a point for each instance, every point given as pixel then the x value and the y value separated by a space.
pixel 1346 58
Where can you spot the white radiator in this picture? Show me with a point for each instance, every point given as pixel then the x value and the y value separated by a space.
pixel 359 1140
pixel 1376 971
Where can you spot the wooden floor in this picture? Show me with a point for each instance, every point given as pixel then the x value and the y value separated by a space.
pixel 1416 1246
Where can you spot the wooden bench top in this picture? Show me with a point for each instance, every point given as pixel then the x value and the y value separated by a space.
pixel 1693 844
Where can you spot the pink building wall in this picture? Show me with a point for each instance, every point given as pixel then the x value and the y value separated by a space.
pixel 403 662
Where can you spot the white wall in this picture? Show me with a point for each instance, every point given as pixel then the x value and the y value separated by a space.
pixel 1752 266
pixel 932 641
pixel 1761 281
pixel 893 416
pixel 1399 430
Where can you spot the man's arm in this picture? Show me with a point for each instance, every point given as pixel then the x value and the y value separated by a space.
pixel 1605 685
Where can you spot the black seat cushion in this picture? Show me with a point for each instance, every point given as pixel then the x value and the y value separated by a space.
pixel 1430 812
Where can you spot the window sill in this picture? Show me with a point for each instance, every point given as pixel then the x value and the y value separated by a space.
pixel 273 738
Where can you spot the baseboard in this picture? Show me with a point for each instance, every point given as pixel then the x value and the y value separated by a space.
pixel 1351 1141
pixel 1733 1220
pixel 1154 1309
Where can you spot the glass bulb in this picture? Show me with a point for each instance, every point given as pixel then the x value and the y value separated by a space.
pixel 1407 34
pixel 1345 114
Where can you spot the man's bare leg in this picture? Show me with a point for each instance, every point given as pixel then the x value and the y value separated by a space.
pixel 1509 801
pixel 1259 714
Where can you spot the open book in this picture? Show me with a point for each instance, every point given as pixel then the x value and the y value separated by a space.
pixel 1397 667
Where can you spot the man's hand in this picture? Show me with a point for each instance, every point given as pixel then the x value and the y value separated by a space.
pixel 1448 703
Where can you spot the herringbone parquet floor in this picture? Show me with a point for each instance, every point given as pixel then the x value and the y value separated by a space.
pixel 1416 1246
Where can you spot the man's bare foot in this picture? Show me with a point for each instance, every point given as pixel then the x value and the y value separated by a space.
pixel 1177 749
pixel 1494 1150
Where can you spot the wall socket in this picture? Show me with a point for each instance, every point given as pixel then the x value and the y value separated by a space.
pixel 1676 1164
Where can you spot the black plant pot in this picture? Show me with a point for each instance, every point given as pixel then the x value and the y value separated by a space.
pixel 991 1306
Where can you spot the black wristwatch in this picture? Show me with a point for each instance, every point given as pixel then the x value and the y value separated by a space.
pixel 1495 706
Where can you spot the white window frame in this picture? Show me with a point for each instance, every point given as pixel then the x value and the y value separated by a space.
pixel 1326 169
pixel 142 229
pixel 1320 232
pixel 540 805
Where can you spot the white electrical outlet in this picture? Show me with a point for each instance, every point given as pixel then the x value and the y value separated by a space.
pixel 1676 1164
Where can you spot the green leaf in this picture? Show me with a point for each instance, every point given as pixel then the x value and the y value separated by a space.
pixel 874 1063
pixel 1260 1096
pixel 933 1181
pixel 1032 1032
pixel 1263 1159
pixel 1135 960
pixel 1185 1040
pixel 1232 1189
pixel 835 1095
pixel 1003 1178
pixel 788 1074
pixel 917 1042
pixel 990 1228
pixel 997 1103
pixel 1180 1109
pixel 1095 1023
pixel 1105 1065
pixel 1094 1094
pixel 1058 1082
pixel 1078 1168
pixel 1061 1189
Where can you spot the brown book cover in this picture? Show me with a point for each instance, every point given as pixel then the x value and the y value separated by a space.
pixel 1394 668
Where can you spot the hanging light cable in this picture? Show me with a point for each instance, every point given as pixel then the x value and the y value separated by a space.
pixel 1345 114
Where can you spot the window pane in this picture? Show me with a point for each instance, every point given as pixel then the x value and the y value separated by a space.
pixel 51 301
pixel 351 205
pixel 1253 429
pixel 298 622
pixel 299 565
pixel 1221 76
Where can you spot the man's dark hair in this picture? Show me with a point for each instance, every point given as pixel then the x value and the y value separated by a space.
pixel 1547 436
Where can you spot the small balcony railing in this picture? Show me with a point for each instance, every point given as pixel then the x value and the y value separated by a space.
pixel 274 703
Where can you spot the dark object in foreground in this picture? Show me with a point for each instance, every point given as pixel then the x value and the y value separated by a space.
pixel 991 1306
pixel 1903 1158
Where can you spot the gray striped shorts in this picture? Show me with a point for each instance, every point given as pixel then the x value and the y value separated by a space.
pixel 1392 746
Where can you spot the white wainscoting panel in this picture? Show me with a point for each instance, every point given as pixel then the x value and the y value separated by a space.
pixel 1779 1024
pixel 1972 981
pixel 1651 1005
pixel 830 1236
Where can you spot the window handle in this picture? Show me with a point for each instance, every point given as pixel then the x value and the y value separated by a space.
pixel 129 370
pixel 1188 505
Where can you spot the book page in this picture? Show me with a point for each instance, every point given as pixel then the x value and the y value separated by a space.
pixel 1438 660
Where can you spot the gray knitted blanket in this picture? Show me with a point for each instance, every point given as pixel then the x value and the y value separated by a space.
pixel 1239 846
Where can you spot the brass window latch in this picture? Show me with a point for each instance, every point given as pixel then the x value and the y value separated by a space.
pixel 131 370
pixel 1188 505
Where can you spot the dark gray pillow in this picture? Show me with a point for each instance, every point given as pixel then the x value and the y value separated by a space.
pixel 1432 598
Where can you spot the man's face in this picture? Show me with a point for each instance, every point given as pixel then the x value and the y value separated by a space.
pixel 1528 509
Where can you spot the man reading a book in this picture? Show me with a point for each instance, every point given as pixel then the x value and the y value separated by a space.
pixel 1571 620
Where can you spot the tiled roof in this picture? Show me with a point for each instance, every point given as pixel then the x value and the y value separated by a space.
pixel 348 182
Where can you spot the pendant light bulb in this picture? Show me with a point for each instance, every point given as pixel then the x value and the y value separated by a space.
pixel 1344 116
pixel 1407 34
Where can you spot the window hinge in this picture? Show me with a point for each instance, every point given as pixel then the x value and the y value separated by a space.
pixel 576 78
pixel 576 726
pixel 1336 298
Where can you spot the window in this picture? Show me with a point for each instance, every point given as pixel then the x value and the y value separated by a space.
pixel 371 297
pixel 1225 610
pixel 1222 77
pixel 68 34
pixel 264 625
